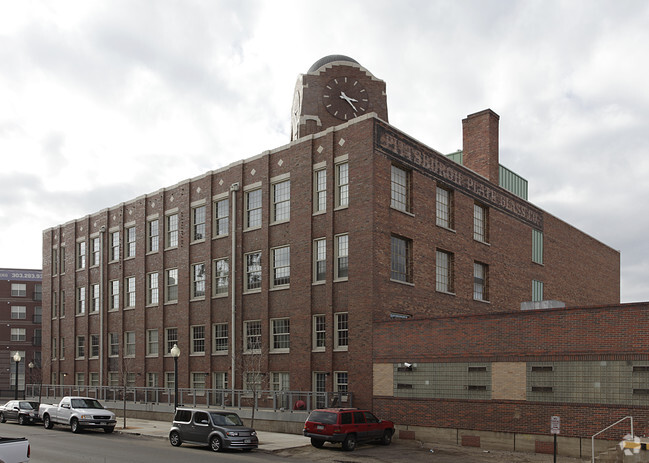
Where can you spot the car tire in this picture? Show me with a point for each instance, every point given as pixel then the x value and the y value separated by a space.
pixel 215 444
pixel 2 418
pixel 22 420
pixel 109 429
pixel 386 439
pixel 74 426
pixel 349 443
pixel 47 423
pixel 317 443
pixel 175 439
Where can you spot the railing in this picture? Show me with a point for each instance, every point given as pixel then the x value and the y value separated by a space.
pixel 239 398
pixel 592 439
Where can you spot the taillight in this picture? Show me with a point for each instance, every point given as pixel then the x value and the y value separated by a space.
pixel 29 450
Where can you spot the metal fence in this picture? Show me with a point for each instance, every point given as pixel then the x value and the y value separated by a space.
pixel 238 398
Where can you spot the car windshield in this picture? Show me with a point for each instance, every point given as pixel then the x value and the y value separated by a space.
pixel 26 406
pixel 323 417
pixel 230 419
pixel 86 403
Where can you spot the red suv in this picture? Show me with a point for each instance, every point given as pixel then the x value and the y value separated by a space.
pixel 347 426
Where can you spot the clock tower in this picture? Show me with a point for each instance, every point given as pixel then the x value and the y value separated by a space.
pixel 335 90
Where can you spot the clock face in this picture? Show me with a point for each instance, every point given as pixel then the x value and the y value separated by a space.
pixel 345 98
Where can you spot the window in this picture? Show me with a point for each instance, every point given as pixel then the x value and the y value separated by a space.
pixel 319 332
pixel 253 209
pixel 114 245
pixel 252 381
pixel 537 291
pixel 341 251
pixel 37 340
pixel 219 380
pixel 198 280
pixel 55 304
pixel 18 334
pixel 152 380
pixel 130 379
pixel 152 343
pixel 221 276
pixel 62 348
pixel 94 345
pixel 341 382
pixel 220 342
pixel 480 229
pixel 172 231
pixel 319 260
pixel 253 271
pixel 38 292
pixel 171 338
pixel 62 312
pixel 221 217
pixel 279 381
pixel 153 235
pixel 18 289
pixel 62 257
pixel 280 335
pixel 320 190
pixel 38 314
pixel 171 285
pixel 129 289
pixel 80 379
pixel 281 266
pixel 95 245
pixel 537 246
pixel 54 351
pixel 444 208
pixel 198 339
pixel 81 301
pixel 81 255
pixel 342 185
pixel 198 223
pixel 281 201
pixel 113 344
pixel 170 379
pixel 130 242
pixel 55 261
pixel 113 379
pixel 252 336
pixel 400 189
pixel 113 294
pixel 198 384
pixel 444 271
pixel 94 298
pixel 18 312
pixel 480 282
pixel 81 347
pixel 401 259
pixel 152 289
pixel 129 344
pixel 341 338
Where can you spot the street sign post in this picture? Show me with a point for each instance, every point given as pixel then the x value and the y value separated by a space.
pixel 555 428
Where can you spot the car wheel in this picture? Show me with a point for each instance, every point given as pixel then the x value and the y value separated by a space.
pixel 174 438
pixel 109 429
pixel 2 418
pixel 317 443
pixel 387 437
pixel 74 425
pixel 349 443
pixel 215 444
pixel 47 422
pixel 22 420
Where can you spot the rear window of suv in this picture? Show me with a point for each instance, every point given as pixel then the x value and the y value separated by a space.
pixel 323 417
pixel 183 415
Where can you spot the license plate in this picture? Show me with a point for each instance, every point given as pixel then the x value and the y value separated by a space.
pixel 247 441
pixel 103 423
pixel 320 426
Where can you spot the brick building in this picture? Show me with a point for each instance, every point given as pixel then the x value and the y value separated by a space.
pixel 326 256
pixel 20 327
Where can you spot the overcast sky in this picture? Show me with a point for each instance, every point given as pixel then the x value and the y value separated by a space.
pixel 101 102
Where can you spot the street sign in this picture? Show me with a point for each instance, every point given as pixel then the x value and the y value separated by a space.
pixel 555 425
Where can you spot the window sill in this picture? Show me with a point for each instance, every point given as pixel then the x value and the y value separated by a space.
pixel 481 242
pixel 402 211
pixel 220 353
pixel 252 291
pixel 444 227
pixel 319 349
pixel 258 227
pixel 202 240
pixel 319 282
pixel 197 298
pixel 129 308
pixel 197 354
pixel 324 211
pixel 169 248
pixel 216 237
pixel 95 312
pixel 220 296
pixel 148 253
pixel 407 283
pixel 340 208
pixel 152 356
pixel 149 306
pixel 174 302
pixel 338 280
pixel 279 288
pixel 129 258
pixel 448 293
pixel 482 301
pixel 341 349
pixel 279 222
pixel 280 351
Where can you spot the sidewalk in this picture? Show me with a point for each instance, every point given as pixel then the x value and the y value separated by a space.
pixel 268 441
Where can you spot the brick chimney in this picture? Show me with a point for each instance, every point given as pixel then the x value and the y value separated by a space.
pixel 480 143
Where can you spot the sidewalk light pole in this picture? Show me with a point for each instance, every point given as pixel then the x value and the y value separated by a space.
pixel 175 353
pixel 31 376
pixel 17 359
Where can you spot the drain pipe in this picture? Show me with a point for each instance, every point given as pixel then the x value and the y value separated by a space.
pixel 233 189
pixel 102 230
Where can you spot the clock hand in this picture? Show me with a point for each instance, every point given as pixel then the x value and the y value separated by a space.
pixel 348 100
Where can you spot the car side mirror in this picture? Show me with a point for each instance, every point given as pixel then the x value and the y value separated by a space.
pixel 16 408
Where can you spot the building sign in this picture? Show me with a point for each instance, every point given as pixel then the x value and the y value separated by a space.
pixel 555 425
pixel 439 167
pixel 21 275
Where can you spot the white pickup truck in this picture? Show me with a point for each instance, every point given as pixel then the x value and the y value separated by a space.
pixel 14 449
pixel 78 413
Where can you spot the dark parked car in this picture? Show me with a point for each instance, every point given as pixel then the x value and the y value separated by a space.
pixel 347 426
pixel 19 410
pixel 217 428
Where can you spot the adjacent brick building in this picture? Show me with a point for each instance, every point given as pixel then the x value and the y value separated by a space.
pixel 338 257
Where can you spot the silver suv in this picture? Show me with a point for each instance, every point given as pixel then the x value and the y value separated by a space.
pixel 217 428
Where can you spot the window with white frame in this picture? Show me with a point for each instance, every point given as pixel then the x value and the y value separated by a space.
pixel 130 379
pixel 253 381
pixel 113 378
pixel 198 339
pixel 113 344
pixel 62 258
pixel 221 273
pixel 94 298
pixel 80 347
pixel 444 208
pixel 114 246
pixel 18 312
pixel 94 345
pixel 171 285
pixel 172 231
pixel 62 348
pixel 171 338
pixel 18 289
pixel 253 208
pixel 252 336
pixel 281 264
pixel 480 281
pixel 113 294
pixel 81 254
pixel 198 223
pixel 55 261
pixel 95 245
pixel 342 185
pixel 170 379
pixel 444 271
pixel 198 280
pixel 219 380
pixel 152 343
pixel 221 217
pixel 220 338
pixel 280 381
pixel 341 257
pixel 55 304
pixel 280 335
pixel 54 347
pixel 341 333
pixel 320 190
pixel 129 292
pixel 153 235
pixel 18 334
pixel 319 332
pixel 81 301
pixel 152 380
pixel 253 271
pixel 94 379
pixel 198 382
pixel 130 241
pixel 400 189
pixel 341 382
pixel 152 290
pixel 480 221
pixel 129 344
pixel 62 311
pixel 319 260
pixel 400 259
pixel 80 379
pixel 281 201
